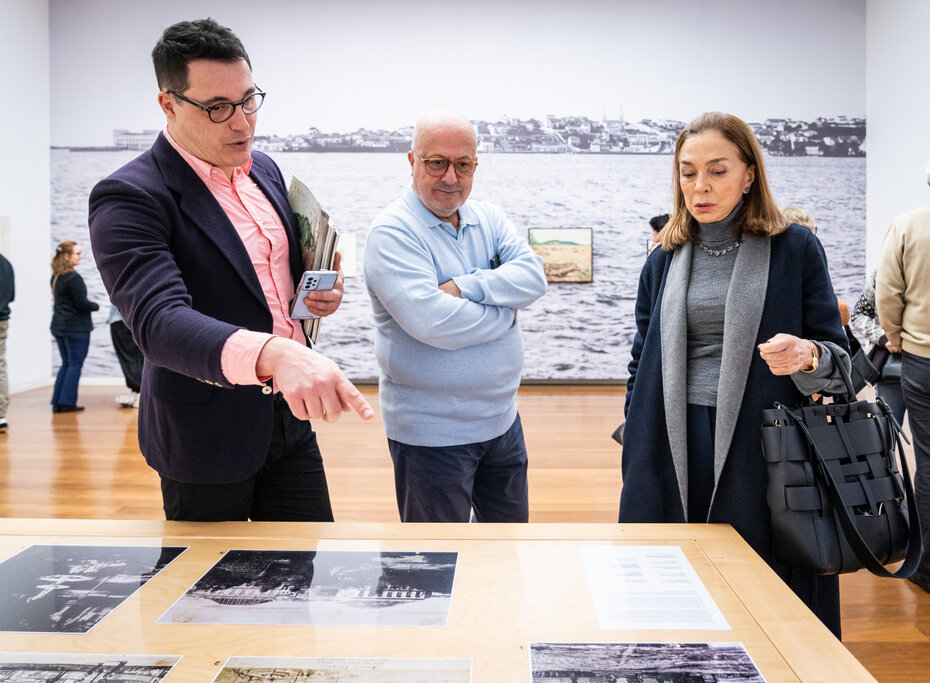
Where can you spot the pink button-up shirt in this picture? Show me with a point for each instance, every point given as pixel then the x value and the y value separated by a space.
pixel 265 239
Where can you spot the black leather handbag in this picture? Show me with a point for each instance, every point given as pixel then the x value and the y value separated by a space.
pixel 837 500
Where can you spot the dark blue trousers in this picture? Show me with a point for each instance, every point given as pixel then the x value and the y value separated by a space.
pixel 915 380
pixel 445 483
pixel 73 348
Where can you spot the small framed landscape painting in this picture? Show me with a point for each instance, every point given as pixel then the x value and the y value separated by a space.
pixel 566 253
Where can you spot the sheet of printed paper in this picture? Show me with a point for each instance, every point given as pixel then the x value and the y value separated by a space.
pixel 648 587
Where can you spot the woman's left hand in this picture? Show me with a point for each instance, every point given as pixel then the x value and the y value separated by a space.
pixel 785 354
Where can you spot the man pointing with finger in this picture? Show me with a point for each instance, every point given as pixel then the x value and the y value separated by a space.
pixel 197 247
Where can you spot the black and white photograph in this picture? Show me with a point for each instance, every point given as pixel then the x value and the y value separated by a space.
pixel 320 588
pixel 343 670
pixel 72 588
pixel 576 110
pixel 35 667
pixel 643 663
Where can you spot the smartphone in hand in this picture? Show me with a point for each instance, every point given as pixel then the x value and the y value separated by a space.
pixel 311 280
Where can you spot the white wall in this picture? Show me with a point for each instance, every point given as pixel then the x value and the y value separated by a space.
pixel 898 110
pixel 24 184
pixel 898 113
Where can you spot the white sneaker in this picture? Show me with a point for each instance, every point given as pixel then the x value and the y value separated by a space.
pixel 135 400
pixel 126 400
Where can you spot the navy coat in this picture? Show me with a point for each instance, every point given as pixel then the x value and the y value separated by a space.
pixel 794 296
pixel 177 270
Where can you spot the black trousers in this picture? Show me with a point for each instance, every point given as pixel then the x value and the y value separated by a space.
pixel 290 486
pixel 128 355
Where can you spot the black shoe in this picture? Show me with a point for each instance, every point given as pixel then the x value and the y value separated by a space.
pixel 3 425
pixel 66 408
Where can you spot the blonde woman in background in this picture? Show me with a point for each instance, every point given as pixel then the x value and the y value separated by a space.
pixel 71 324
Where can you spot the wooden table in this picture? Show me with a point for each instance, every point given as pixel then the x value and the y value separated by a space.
pixel 514 584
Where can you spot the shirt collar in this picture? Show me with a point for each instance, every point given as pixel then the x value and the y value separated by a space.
pixel 467 215
pixel 207 172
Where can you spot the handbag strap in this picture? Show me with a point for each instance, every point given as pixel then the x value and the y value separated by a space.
pixel 847 379
pixel 844 516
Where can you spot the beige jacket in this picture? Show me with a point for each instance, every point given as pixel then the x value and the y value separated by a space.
pixel 902 288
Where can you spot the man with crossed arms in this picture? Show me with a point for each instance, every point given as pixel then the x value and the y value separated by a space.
pixel 446 277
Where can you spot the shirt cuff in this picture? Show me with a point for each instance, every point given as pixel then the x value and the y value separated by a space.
pixel 240 356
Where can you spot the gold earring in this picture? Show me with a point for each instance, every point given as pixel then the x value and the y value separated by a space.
pixel 746 189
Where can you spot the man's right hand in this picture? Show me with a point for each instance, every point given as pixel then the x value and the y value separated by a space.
pixel 311 383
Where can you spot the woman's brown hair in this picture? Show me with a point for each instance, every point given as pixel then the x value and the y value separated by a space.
pixel 60 264
pixel 759 214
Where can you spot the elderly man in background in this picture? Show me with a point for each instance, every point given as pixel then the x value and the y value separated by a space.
pixel 446 276
pixel 902 295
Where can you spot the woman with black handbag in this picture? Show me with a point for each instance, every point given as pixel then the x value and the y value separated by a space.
pixel 883 354
pixel 734 313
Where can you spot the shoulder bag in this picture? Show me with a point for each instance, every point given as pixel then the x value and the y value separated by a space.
pixel 837 500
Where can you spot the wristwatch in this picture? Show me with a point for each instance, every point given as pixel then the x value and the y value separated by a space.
pixel 813 358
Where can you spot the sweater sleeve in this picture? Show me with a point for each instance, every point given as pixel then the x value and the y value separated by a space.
pixel 889 286
pixel 78 291
pixel 517 282
pixel 400 272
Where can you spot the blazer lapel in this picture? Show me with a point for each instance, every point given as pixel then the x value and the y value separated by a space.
pixel 674 335
pixel 205 213
pixel 740 328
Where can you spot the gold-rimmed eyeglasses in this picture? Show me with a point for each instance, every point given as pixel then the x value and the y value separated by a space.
pixel 222 112
pixel 437 166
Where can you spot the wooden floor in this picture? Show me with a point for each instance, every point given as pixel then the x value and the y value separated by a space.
pixel 87 465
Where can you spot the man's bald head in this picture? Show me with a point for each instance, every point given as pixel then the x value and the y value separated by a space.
pixel 443 119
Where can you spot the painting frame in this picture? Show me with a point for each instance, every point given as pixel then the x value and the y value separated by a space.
pixel 567 253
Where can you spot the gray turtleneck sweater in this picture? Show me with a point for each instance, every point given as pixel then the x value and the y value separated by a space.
pixel 707 295
pixel 706 308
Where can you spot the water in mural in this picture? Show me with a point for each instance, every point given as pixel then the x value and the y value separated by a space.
pixel 576 331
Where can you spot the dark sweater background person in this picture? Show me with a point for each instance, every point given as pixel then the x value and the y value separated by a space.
pixel 71 324
pixel 7 294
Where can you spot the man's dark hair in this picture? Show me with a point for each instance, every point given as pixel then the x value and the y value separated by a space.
pixel 658 222
pixel 186 41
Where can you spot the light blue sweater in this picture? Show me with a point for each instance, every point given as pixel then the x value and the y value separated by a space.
pixel 450 367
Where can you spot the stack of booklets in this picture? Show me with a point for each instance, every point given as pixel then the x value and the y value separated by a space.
pixel 318 238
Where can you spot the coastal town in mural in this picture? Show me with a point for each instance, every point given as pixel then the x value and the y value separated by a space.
pixel 839 136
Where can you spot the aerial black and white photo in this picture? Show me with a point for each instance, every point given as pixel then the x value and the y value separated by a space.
pixel 71 588
pixel 36 667
pixel 576 112
pixel 643 662
pixel 343 670
pixel 320 588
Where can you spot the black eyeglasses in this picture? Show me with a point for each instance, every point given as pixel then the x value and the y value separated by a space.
pixel 437 166
pixel 223 111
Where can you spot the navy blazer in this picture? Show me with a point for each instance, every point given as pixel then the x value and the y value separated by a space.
pixel 177 270
pixel 799 300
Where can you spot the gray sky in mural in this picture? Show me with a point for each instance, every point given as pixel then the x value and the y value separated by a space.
pixel 343 65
